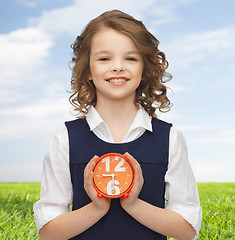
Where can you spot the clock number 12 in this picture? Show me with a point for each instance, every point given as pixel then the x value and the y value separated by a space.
pixel 118 168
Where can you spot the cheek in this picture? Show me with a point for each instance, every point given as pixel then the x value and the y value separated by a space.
pixel 138 71
pixel 96 71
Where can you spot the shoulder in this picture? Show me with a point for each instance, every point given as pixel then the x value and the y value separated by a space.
pixel 160 123
pixel 58 151
pixel 178 151
pixel 75 121
pixel 176 136
pixel 60 137
pixel 74 124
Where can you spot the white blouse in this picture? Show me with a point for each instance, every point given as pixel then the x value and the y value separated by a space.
pixel 181 191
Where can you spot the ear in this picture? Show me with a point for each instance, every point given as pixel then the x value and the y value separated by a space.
pixel 89 76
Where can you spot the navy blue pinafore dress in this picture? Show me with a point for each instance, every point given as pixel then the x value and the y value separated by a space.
pixel 151 150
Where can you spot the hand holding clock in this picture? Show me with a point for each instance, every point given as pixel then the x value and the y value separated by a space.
pixel 138 183
pixel 100 203
pixel 151 216
pixel 113 179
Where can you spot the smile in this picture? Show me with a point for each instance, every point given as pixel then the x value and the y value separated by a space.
pixel 117 80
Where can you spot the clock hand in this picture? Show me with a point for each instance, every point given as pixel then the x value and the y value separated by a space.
pixel 108 175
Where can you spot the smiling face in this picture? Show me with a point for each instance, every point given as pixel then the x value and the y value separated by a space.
pixel 116 66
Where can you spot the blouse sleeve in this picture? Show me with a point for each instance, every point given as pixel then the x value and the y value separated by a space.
pixel 181 190
pixel 56 186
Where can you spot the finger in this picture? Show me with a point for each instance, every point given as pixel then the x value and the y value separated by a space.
pixel 133 161
pixel 130 157
pixel 91 164
pixel 136 167
pixel 88 176
pixel 93 160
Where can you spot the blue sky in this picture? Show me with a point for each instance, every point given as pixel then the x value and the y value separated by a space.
pixel 197 36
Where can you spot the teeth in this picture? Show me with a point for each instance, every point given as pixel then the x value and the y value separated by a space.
pixel 117 80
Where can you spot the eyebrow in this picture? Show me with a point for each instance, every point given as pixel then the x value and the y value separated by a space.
pixel 106 51
pixel 134 52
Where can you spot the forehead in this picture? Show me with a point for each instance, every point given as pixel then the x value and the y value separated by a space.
pixel 108 39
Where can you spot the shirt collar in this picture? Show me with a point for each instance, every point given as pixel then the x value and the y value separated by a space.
pixel 93 118
pixel 142 119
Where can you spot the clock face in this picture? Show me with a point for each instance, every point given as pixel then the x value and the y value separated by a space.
pixel 113 176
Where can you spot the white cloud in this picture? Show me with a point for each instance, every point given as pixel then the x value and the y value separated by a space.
pixel 163 11
pixel 208 134
pixel 6 99
pixel 170 116
pixel 213 134
pixel 213 139
pixel 22 52
pixel 72 19
pixel 33 119
pixel 21 173
pixel 27 3
pixel 204 172
pixel 200 128
pixel 218 172
pixel 228 133
pixel 173 89
pixel 42 108
pixel 200 47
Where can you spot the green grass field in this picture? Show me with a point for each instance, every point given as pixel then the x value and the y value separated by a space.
pixel 17 199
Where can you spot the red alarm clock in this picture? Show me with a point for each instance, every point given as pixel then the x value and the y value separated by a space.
pixel 113 176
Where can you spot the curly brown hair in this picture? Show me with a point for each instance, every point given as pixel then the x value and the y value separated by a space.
pixel 151 93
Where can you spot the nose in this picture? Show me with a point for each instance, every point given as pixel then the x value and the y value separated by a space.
pixel 117 66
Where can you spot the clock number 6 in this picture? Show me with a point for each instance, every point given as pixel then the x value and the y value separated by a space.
pixel 112 189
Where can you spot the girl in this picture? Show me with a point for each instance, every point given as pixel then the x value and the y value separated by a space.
pixel 117 85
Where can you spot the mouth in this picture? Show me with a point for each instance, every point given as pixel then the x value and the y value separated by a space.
pixel 117 79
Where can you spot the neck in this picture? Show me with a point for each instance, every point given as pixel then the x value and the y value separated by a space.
pixel 118 116
pixel 116 111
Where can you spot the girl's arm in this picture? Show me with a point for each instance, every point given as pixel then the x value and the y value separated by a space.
pixel 51 212
pixel 70 224
pixel 163 221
